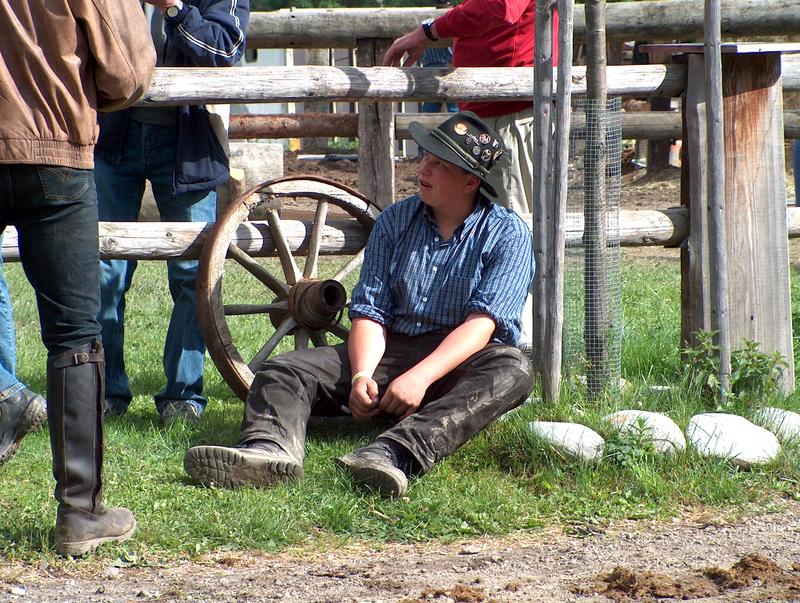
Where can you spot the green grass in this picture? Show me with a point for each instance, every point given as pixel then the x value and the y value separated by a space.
pixel 503 481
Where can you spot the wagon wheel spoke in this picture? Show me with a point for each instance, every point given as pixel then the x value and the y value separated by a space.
pixel 247 309
pixel 340 331
pixel 257 270
pixel 351 266
pixel 319 340
pixel 312 260
pixel 267 349
pixel 290 268
pixel 301 339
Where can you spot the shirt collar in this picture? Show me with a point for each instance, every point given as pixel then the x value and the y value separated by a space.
pixel 467 225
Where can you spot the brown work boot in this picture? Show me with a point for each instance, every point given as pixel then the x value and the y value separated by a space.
pixel 259 464
pixel 20 414
pixel 79 532
pixel 381 466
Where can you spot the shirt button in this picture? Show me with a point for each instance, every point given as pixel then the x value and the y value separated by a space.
pixel 434 268
pixel 419 324
pixel 436 239
pixel 424 299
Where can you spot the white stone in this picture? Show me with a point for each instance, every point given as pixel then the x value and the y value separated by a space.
pixel 578 441
pixel 783 423
pixel 663 432
pixel 732 437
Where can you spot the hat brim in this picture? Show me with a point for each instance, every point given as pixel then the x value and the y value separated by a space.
pixel 423 137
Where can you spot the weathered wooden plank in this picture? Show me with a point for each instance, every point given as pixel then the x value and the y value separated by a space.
pixel 166 240
pixel 644 125
pixel 376 134
pixel 173 86
pixel 656 20
pixel 542 187
pixel 758 267
pixel 715 191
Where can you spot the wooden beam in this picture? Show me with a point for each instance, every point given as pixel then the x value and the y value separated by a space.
pixel 195 85
pixel 168 240
pixel 655 20
pixel 644 125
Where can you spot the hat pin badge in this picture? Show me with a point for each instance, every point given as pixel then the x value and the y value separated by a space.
pixel 460 128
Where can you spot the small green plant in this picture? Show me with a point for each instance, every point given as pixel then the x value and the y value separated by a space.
pixel 753 373
pixel 631 446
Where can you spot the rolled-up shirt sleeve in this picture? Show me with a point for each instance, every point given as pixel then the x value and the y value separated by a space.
pixel 505 280
pixel 371 296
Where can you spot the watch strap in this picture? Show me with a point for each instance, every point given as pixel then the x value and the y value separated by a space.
pixel 426 27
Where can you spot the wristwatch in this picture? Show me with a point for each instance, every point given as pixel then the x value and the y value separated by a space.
pixel 426 27
pixel 174 10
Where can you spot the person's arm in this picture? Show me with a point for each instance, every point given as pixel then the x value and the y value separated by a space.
pixel 465 19
pixel 213 38
pixel 404 394
pixel 371 307
pixel 479 16
pixel 365 348
pixel 119 40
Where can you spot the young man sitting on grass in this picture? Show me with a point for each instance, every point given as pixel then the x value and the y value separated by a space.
pixel 435 321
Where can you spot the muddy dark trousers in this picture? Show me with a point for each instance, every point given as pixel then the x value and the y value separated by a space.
pixel 292 387
pixel 75 416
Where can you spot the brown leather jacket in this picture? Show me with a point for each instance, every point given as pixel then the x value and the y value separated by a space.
pixel 60 62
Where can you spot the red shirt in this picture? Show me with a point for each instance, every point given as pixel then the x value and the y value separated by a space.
pixel 493 33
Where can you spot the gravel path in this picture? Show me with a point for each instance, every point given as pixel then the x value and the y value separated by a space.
pixel 645 560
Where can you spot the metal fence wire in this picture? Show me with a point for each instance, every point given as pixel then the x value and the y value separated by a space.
pixel 592 281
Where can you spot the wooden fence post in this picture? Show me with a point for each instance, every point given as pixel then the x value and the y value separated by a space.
pixel 755 198
pixel 375 133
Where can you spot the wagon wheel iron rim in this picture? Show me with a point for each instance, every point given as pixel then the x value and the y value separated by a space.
pixel 304 306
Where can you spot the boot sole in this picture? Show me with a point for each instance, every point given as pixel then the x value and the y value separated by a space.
pixel 235 468
pixel 79 548
pixel 35 415
pixel 388 481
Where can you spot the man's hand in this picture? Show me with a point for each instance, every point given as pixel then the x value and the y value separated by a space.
pixel 413 43
pixel 363 398
pixel 404 395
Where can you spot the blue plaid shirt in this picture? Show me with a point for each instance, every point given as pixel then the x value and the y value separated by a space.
pixel 412 282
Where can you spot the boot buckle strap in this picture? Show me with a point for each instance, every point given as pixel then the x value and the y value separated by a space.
pixel 80 358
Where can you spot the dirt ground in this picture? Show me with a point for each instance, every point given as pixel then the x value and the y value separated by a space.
pixel 699 556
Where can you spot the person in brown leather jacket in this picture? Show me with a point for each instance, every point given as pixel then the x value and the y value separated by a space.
pixel 62 61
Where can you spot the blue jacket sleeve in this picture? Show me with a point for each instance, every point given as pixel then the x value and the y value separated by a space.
pixel 210 33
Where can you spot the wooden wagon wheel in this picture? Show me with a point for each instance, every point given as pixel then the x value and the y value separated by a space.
pixel 299 304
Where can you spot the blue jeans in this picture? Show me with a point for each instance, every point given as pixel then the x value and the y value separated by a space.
pixel 9 384
pixel 149 154
pixel 55 212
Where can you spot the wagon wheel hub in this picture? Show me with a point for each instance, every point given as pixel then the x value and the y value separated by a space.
pixel 316 304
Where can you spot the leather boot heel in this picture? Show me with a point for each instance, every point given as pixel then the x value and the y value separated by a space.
pixel 79 532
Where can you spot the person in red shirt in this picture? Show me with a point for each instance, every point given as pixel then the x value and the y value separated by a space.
pixel 490 33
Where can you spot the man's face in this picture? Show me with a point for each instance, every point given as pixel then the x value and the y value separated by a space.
pixel 441 182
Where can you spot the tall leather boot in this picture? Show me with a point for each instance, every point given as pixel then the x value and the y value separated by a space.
pixel 75 415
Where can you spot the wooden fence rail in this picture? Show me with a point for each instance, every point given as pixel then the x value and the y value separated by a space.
pixel 176 86
pixel 645 125
pixel 168 240
pixel 652 21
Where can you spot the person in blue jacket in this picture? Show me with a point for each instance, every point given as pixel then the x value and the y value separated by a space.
pixel 180 151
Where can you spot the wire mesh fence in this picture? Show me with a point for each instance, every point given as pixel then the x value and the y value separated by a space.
pixel 592 279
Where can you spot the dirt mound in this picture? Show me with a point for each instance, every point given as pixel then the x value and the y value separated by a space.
pixel 753 572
